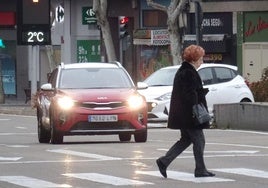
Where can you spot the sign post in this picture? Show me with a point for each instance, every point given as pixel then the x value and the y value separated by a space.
pixel 33 28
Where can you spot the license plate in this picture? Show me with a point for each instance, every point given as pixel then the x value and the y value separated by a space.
pixel 102 118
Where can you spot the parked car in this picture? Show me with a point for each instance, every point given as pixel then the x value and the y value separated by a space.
pixel 90 99
pixel 223 81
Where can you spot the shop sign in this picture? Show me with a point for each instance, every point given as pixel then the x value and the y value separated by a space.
pixel 151 37
pixel 88 16
pixel 7 19
pixel 88 51
pixel 142 34
pixel 256 27
pixel 160 37
pixel 213 57
pixel 213 23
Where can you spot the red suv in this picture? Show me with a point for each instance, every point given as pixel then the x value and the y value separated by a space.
pixel 90 99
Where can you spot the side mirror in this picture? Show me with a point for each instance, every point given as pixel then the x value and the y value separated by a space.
pixel 142 85
pixel 47 87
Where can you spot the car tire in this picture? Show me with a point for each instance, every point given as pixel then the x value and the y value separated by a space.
pixel 141 136
pixel 56 137
pixel 124 137
pixel 43 134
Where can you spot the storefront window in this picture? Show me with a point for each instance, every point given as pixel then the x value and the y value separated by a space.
pixel 8 68
pixel 154 18
pixel 153 58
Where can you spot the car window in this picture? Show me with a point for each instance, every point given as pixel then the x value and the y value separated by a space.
pixel 162 77
pixel 94 78
pixel 206 76
pixel 224 74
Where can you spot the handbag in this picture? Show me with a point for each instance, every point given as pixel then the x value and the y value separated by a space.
pixel 200 114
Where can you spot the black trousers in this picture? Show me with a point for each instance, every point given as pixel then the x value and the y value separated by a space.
pixel 188 137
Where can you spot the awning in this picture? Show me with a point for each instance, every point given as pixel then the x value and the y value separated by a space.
pixel 216 37
pixel 212 43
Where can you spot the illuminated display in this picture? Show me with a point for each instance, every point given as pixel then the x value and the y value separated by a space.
pixel 33 24
pixel 35 37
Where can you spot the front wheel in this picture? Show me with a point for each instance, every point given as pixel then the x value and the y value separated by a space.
pixel 141 136
pixel 56 137
pixel 43 134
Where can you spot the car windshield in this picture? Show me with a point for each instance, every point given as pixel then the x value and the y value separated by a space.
pixel 162 77
pixel 92 78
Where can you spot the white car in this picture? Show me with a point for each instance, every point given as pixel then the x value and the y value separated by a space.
pixel 223 81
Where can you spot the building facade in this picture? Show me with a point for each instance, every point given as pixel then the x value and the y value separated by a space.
pixel 234 32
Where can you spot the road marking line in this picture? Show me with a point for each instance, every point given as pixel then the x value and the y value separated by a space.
pixel 31 182
pixel 10 158
pixel 9 134
pixel 239 145
pixel 182 176
pixel 112 180
pixel 83 154
pixel 4 119
pixel 244 171
pixel 227 151
pixel 14 146
pixel 21 127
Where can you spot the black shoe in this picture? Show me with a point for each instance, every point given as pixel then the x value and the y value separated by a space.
pixel 204 174
pixel 162 168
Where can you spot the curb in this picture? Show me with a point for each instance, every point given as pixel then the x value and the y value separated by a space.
pixel 18 110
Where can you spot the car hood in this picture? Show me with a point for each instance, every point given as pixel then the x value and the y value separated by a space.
pixel 153 92
pixel 97 95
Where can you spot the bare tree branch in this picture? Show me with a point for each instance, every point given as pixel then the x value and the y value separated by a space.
pixel 156 5
pixel 178 10
pixel 173 11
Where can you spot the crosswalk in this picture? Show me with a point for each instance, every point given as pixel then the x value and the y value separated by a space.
pixel 107 179
pixel 183 176
pixel 146 177
pixel 30 182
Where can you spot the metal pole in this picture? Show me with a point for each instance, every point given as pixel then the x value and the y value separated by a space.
pixel 66 55
pixel 197 27
pixel 34 70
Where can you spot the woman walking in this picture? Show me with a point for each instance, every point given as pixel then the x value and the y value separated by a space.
pixel 187 91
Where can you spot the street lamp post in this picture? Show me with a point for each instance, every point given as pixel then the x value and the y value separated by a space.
pixel 198 21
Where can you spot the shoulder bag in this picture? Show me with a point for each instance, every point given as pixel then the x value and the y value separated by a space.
pixel 200 114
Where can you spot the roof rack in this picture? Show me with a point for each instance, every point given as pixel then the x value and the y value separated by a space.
pixel 62 64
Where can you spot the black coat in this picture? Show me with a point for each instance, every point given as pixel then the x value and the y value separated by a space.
pixel 187 91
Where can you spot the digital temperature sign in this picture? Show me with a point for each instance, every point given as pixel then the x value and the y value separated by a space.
pixel 35 37
pixel 33 23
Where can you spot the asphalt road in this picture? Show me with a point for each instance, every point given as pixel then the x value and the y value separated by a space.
pixel 239 159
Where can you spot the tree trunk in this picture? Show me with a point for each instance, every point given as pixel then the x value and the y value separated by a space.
pixel 173 11
pixel 109 45
pixel 175 43
pixel 100 9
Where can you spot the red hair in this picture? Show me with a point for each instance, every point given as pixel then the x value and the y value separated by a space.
pixel 193 53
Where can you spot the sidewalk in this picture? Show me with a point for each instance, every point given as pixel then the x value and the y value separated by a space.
pixel 17 107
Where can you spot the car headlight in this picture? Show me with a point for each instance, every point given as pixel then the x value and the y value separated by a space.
pixel 135 101
pixel 164 97
pixel 65 103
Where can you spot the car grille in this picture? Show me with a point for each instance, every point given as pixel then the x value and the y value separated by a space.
pixel 110 105
pixel 102 125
